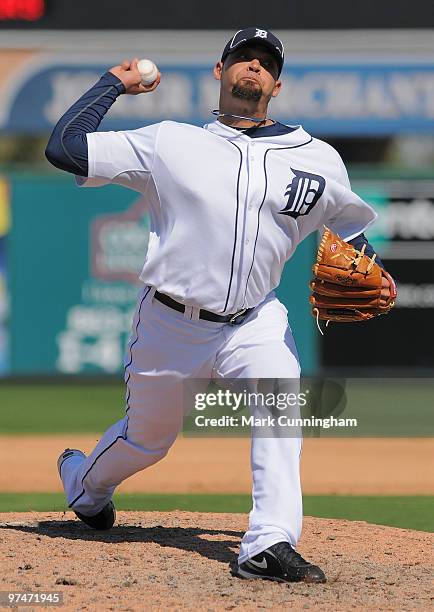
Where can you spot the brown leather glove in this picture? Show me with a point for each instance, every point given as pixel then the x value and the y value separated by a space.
pixel 347 284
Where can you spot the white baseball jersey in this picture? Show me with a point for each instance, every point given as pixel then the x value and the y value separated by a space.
pixel 226 210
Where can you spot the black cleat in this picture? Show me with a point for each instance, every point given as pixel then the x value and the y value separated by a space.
pixel 101 521
pixel 105 519
pixel 281 563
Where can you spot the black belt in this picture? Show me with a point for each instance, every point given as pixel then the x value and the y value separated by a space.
pixel 206 315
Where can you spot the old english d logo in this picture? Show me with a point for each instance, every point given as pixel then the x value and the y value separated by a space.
pixel 303 193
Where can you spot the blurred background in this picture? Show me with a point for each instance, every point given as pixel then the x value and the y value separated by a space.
pixel 363 80
pixel 359 76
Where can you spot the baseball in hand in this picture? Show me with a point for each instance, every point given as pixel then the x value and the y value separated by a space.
pixel 148 71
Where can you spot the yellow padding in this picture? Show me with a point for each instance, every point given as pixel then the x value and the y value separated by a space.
pixel 5 217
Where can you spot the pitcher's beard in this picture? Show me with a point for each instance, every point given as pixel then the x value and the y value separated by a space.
pixel 247 91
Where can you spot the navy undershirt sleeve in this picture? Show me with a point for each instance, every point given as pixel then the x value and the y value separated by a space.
pixel 358 243
pixel 67 147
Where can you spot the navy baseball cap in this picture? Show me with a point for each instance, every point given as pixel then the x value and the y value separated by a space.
pixel 259 36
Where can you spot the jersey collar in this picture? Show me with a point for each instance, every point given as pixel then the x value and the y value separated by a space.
pixel 297 137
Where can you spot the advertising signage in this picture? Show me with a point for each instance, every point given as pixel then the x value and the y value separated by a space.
pixel 403 236
pixel 326 98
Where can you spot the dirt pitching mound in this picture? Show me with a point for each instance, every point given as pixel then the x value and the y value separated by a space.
pixel 182 560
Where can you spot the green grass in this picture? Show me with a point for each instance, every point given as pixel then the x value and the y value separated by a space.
pixel 403 408
pixel 59 408
pixel 408 512
pixel 397 511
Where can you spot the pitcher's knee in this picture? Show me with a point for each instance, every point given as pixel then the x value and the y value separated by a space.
pixel 149 451
pixel 150 434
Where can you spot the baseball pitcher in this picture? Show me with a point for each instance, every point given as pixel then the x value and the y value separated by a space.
pixel 228 203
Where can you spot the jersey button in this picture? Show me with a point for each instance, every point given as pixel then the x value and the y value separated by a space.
pixel 250 207
pixel 247 241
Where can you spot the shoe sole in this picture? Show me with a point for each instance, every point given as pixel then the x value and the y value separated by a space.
pixel 249 576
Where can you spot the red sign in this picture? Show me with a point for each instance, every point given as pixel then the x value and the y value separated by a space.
pixel 21 10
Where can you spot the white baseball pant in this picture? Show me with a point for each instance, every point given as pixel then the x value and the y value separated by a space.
pixel 165 349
